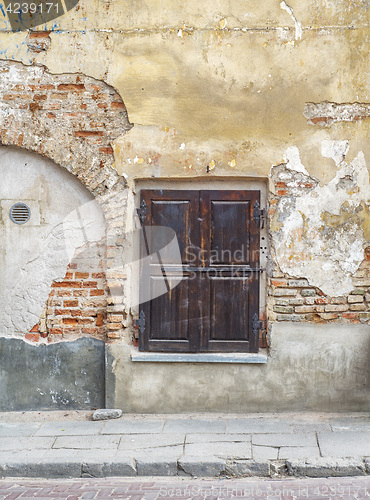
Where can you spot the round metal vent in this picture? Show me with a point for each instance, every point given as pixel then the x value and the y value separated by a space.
pixel 20 213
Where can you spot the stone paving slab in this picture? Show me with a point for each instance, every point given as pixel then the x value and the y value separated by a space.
pixel 221 450
pixel 217 438
pixel 143 441
pixel 289 452
pixel 68 428
pixel 257 426
pixel 344 444
pixel 195 426
pixel 285 439
pixel 87 442
pixel 23 429
pixel 25 443
pixel 264 453
pixel 133 427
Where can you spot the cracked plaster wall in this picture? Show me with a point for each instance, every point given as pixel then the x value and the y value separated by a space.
pixel 226 87
pixel 321 233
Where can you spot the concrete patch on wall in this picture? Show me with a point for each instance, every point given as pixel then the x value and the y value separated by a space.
pixel 67 375
pixel 319 232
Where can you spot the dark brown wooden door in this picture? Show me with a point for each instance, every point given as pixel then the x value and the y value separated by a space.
pixel 213 306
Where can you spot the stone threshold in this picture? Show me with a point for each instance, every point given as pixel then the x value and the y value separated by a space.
pixel 208 357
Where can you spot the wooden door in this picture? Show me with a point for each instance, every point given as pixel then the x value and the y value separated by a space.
pixel 213 307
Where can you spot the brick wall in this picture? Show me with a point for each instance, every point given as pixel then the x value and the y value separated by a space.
pixel 70 118
pixel 73 120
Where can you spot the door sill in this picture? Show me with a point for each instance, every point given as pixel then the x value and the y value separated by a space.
pixel 207 357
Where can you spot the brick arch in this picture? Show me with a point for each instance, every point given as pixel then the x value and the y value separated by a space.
pixel 70 118
pixel 73 119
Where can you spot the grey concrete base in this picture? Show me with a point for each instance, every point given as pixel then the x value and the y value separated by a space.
pixel 68 375
pixel 310 367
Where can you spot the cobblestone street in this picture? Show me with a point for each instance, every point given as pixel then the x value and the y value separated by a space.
pixel 195 489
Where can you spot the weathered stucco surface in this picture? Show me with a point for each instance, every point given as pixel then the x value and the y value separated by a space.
pixel 233 91
pixel 321 234
pixel 233 72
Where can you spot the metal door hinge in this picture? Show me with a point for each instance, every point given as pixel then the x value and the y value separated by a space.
pixel 142 211
pixel 256 325
pixel 140 323
pixel 259 215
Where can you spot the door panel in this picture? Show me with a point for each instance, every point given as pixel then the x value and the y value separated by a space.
pixel 229 232
pixel 212 308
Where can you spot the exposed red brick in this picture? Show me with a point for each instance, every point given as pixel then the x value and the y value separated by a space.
pixel 42 87
pixel 81 276
pixel 33 337
pixel 87 330
pixel 69 321
pixel 90 284
pixel 350 315
pixel 70 303
pixel 36 328
pixel 98 275
pixel 100 319
pixel 96 293
pixel 67 284
pixel 39 34
pixel 64 293
pixel 107 150
pixel 318 119
pixel 77 87
pixel 81 293
pixel 89 133
pixel 118 105
pixel 278 282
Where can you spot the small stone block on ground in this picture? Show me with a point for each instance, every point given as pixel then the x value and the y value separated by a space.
pixel 106 414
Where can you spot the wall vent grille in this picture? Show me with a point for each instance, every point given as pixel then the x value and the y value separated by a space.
pixel 20 213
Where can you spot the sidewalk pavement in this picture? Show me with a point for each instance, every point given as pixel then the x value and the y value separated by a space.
pixel 206 445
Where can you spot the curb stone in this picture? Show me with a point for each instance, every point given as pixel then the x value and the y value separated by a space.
pixel 50 468
pixel 247 468
pixel 327 467
pixel 207 467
